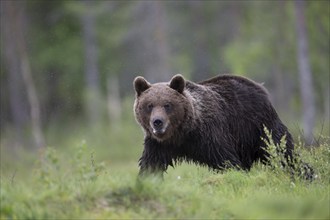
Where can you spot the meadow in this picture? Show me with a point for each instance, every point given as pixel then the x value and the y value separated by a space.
pixel 91 174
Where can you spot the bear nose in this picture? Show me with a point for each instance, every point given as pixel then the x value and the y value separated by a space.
pixel 157 123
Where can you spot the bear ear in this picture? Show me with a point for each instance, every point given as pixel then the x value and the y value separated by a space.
pixel 178 83
pixel 140 85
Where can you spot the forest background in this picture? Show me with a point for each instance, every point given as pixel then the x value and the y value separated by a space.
pixel 67 66
pixel 69 142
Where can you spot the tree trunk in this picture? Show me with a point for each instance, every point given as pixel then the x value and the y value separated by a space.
pixel 305 75
pixel 93 94
pixel 156 52
pixel 16 27
pixel 280 80
pixel 114 102
pixel 201 53
pixel 14 81
pixel 326 104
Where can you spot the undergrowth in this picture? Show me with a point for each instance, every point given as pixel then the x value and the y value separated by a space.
pixel 280 161
pixel 61 186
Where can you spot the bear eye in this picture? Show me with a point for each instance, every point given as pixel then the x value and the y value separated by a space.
pixel 150 107
pixel 167 107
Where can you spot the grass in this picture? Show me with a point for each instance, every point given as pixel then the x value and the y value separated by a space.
pixel 77 181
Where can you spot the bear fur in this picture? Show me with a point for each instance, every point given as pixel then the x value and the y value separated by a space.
pixel 218 122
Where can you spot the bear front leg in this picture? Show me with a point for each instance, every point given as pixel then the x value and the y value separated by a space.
pixel 155 159
pixel 150 167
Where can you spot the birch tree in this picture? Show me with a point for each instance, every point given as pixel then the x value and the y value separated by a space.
pixel 92 91
pixel 305 75
pixel 14 35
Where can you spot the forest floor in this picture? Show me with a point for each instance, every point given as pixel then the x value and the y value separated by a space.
pixel 80 183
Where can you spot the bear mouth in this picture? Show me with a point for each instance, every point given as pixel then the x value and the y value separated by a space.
pixel 159 132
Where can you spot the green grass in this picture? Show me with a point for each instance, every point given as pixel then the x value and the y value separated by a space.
pixel 94 177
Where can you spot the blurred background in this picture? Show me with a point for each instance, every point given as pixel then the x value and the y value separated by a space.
pixel 67 67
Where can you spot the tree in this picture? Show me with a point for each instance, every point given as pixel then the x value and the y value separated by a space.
pixel 113 100
pixel 152 36
pixel 201 53
pixel 16 46
pixel 17 105
pixel 305 75
pixel 93 93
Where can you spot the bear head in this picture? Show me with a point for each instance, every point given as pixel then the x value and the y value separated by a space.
pixel 162 109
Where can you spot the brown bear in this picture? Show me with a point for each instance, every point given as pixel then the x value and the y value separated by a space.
pixel 217 122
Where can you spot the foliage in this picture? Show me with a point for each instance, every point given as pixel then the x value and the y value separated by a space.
pixel 281 163
pixel 255 39
pixel 74 183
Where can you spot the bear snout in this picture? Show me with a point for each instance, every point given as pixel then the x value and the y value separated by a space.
pixel 158 126
pixel 158 123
